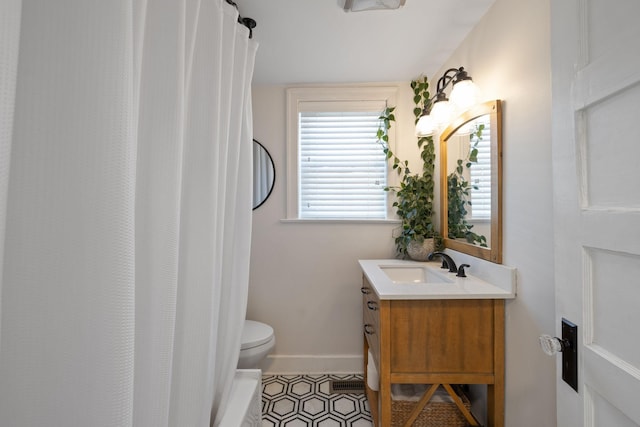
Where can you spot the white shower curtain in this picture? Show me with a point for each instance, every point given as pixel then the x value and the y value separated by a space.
pixel 125 210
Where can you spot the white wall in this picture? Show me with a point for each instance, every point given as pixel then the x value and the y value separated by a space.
pixel 508 56
pixel 305 278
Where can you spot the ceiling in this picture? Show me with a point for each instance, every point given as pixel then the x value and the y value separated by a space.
pixel 315 41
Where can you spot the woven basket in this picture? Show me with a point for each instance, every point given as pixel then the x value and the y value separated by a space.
pixel 434 414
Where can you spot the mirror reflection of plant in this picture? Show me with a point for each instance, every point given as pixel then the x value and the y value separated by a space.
pixel 459 194
pixel 415 194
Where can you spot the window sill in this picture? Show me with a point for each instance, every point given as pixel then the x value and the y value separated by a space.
pixel 479 220
pixel 340 221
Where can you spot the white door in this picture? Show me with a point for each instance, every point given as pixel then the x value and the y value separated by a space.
pixel 596 156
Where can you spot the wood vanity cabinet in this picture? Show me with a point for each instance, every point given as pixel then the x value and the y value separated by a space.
pixel 434 341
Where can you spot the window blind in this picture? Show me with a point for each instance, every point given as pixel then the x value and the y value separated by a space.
pixel 342 168
pixel 480 174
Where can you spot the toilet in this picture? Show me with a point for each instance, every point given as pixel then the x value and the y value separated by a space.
pixel 258 340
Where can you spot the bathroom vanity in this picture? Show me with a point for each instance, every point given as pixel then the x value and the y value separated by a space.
pixel 424 325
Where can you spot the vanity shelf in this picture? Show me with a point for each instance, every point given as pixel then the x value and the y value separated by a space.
pixel 434 341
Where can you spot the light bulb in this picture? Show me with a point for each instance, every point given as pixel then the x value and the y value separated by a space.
pixel 442 112
pixel 426 126
pixel 465 94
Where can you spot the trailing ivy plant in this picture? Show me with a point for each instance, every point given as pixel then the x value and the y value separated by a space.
pixel 415 193
pixel 459 195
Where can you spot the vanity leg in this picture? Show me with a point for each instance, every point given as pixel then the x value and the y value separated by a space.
pixel 495 405
pixel 372 396
pixel 495 391
pixel 385 401
pixel 384 367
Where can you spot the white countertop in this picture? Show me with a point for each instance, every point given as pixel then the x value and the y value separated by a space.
pixel 469 287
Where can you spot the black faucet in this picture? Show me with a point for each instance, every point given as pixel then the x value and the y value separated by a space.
pixel 447 261
pixel 461 272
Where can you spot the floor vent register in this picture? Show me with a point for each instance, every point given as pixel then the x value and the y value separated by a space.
pixel 346 387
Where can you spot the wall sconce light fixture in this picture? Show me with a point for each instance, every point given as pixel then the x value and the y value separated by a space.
pixel 439 110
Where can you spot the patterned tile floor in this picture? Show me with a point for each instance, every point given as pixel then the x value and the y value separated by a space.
pixel 305 400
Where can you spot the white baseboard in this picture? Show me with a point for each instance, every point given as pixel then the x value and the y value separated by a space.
pixel 305 364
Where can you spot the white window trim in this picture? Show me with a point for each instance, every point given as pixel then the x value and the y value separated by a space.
pixel 329 93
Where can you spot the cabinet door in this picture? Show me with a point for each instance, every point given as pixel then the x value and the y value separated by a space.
pixel 442 336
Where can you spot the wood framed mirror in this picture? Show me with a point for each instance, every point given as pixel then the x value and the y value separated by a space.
pixel 471 182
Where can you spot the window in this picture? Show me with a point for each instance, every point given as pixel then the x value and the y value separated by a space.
pixel 337 169
pixel 480 173
pixel 342 168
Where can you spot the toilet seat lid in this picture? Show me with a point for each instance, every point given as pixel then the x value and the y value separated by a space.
pixel 255 334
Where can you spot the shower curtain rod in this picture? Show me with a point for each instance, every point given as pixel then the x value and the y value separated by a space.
pixel 247 22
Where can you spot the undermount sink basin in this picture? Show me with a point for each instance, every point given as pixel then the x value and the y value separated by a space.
pixel 413 274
